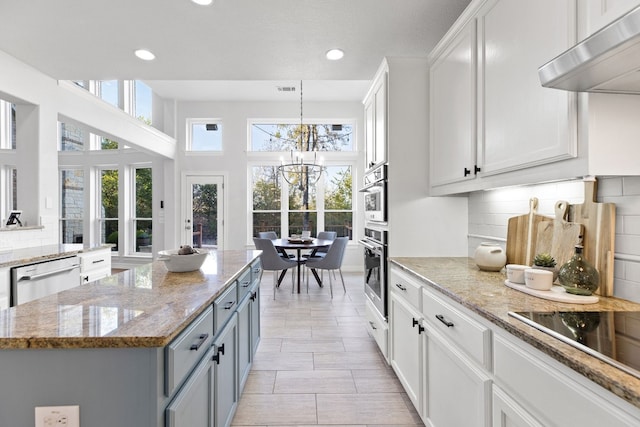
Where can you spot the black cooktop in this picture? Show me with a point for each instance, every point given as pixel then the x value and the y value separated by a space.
pixel 611 336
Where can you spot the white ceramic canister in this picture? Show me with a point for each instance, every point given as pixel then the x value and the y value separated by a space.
pixel 490 257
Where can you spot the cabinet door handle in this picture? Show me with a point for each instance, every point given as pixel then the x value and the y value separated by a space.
pixel 399 286
pixel 216 358
pixel 441 318
pixel 201 339
pixel 221 349
pixel 476 169
pixel 229 305
pixel 85 278
pixel 253 296
pixel 373 325
pixel 414 322
pixel 467 172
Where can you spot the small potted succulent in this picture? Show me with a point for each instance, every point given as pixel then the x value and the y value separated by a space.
pixel 545 261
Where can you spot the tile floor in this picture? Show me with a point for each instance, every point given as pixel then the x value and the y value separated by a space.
pixel 316 364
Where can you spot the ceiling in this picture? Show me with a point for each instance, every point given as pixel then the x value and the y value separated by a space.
pixel 232 49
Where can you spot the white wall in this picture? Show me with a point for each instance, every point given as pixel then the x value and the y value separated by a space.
pixel 489 212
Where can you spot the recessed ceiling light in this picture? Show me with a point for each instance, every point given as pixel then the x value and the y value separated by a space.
pixel 145 54
pixel 203 2
pixel 335 54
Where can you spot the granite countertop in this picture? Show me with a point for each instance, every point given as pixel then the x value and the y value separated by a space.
pixel 146 306
pixel 13 257
pixel 485 294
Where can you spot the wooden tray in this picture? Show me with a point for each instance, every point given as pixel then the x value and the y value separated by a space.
pixel 557 293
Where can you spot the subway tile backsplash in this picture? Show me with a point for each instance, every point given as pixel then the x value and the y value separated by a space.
pixel 489 212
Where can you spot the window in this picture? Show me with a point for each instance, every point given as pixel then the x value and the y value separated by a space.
pixel 7 125
pixel 141 218
pixel 291 208
pixel 142 102
pixel 204 135
pixel 266 199
pixel 72 205
pixel 338 200
pixel 315 137
pixel 108 204
pixel 71 137
pixel 108 91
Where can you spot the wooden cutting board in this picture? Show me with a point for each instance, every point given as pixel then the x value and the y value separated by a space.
pixel 559 237
pixel 521 235
pixel 599 220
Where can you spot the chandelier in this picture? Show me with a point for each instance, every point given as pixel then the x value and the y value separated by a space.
pixel 299 170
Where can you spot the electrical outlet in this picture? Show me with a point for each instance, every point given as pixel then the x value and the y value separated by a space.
pixel 58 416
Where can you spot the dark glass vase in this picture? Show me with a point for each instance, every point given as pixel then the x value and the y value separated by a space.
pixel 577 276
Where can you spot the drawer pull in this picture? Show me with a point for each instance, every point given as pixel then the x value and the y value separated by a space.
pixel 201 339
pixel 97 261
pixel 399 286
pixel 415 323
pixel 373 325
pixel 256 270
pixel 441 318
pixel 245 284
pixel 229 305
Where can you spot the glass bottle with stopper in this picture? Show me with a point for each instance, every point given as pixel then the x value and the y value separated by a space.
pixel 577 276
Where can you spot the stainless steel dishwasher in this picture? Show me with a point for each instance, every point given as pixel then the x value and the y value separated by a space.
pixel 33 281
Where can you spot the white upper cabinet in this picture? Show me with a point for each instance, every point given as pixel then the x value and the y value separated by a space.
pixel 375 106
pixel 522 124
pixel 599 13
pixel 452 77
pixel 489 113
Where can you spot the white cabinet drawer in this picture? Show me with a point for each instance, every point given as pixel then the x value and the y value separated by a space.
pixel 471 336
pixel 402 284
pixel 94 275
pixel 377 327
pixel 186 350
pixel 94 260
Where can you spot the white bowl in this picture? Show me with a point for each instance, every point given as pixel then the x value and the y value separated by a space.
pixel 182 263
pixel 541 280
pixel 515 273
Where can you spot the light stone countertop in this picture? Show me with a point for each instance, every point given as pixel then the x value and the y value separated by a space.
pixel 146 306
pixel 485 294
pixel 13 257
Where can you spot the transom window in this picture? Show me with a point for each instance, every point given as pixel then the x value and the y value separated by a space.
pixel 204 135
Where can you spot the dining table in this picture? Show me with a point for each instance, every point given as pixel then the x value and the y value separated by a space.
pixel 299 245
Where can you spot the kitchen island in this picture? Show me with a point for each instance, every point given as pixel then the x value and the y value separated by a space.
pixel 518 374
pixel 115 346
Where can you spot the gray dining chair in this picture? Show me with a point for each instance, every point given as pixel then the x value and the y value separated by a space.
pixel 273 261
pixel 324 235
pixel 271 235
pixel 331 261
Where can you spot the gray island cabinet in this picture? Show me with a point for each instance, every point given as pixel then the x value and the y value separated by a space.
pixel 145 347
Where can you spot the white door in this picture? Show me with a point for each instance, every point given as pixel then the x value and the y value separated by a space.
pixel 203 214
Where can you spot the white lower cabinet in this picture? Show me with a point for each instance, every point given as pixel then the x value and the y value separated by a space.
pixel 553 394
pixel 377 327
pixel 457 392
pixel 508 413
pixel 94 265
pixel 5 287
pixel 405 347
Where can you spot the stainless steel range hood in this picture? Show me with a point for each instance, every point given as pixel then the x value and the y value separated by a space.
pixel 607 61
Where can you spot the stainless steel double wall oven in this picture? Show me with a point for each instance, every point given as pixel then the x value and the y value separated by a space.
pixel 374 239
